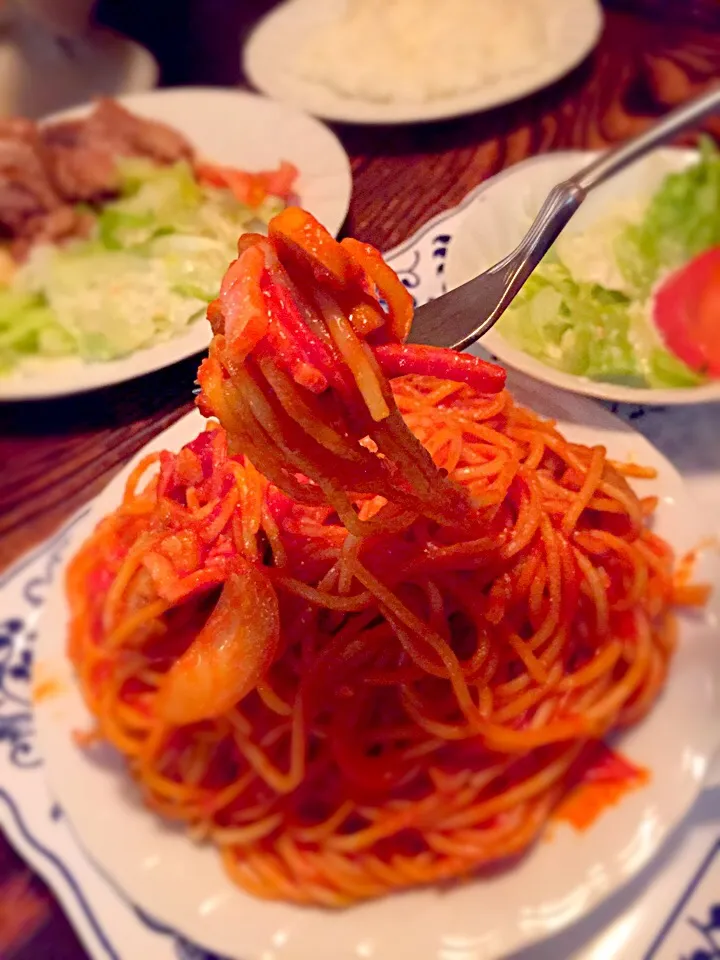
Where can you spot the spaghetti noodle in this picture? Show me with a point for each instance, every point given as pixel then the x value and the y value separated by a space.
pixel 367 630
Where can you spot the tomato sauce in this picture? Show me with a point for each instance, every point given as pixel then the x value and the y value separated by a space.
pixel 606 782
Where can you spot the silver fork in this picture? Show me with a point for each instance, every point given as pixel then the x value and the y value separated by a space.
pixel 463 315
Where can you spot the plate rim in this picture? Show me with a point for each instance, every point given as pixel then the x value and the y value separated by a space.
pixel 191 341
pixel 600 419
pixel 369 113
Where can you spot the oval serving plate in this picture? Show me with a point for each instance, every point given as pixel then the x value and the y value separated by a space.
pixel 183 885
pixel 498 218
pixel 228 127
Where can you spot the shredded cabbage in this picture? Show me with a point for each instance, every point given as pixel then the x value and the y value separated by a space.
pixel 581 328
pixel 161 201
pixel 681 221
pixel 110 303
pixel 586 309
pixel 28 327
pixel 155 259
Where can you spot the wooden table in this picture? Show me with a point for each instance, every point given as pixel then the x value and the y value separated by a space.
pixel 55 456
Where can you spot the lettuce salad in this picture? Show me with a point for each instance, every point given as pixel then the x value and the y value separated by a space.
pixel 154 260
pixel 587 308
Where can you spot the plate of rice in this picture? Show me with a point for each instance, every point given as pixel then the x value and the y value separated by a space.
pixel 408 61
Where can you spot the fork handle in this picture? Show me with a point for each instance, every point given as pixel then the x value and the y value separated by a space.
pixel 613 161
pixel 445 321
pixel 565 198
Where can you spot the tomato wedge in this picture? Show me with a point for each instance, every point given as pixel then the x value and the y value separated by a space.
pixel 279 182
pixel 687 313
pixel 249 188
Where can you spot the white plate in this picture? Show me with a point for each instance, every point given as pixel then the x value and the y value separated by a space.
pixel 573 28
pixel 499 216
pixel 229 127
pixel 185 888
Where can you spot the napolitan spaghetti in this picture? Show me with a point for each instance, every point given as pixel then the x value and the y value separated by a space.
pixel 369 629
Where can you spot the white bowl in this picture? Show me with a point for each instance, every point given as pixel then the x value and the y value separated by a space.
pixel 42 71
pixel 499 216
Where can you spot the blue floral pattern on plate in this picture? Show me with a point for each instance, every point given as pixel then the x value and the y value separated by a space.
pixel 693 926
pixel 16 726
pixel 27 585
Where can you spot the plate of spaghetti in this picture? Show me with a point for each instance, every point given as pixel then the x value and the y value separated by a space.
pixel 338 647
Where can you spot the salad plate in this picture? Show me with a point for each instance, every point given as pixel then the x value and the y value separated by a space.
pixel 227 128
pixel 554 885
pixel 585 320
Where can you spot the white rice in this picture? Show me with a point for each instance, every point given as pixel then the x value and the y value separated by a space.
pixel 421 50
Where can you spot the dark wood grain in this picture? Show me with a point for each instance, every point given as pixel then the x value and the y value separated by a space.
pixel 55 456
